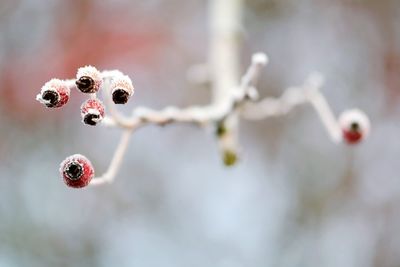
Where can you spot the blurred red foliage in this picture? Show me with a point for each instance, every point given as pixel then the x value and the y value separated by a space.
pixel 76 39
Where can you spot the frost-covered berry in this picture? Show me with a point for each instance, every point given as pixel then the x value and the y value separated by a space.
pixel 54 94
pixel 88 79
pixel 121 89
pixel 355 126
pixel 92 112
pixel 77 171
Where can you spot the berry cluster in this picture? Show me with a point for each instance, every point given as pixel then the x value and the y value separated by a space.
pixel 76 170
pixel 56 93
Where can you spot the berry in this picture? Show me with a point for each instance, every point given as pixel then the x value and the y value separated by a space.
pixel 77 171
pixel 92 112
pixel 121 89
pixel 88 80
pixel 54 94
pixel 355 126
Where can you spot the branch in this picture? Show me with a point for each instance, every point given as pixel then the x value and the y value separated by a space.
pixel 233 98
pixel 309 92
pixel 224 60
pixel 239 100
pixel 198 115
pixel 109 175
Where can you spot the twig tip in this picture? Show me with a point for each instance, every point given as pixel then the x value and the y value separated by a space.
pixel 260 58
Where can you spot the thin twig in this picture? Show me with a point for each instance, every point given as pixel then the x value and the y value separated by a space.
pixel 292 97
pixel 119 154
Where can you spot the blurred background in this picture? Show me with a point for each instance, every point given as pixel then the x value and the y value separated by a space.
pixel 295 198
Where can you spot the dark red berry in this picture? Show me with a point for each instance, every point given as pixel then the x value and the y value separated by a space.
pixel 121 89
pixel 92 112
pixel 120 96
pixel 88 80
pixel 352 137
pixel 54 94
pixel 77 171
pixel 85 84
pixel 355 126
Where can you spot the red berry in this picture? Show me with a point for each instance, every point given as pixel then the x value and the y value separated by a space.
pixel 88 80
pixel 54 94
pixel 355 126
pixel 77 171
pixel 92 112
pixel 352 137
pixel 121 89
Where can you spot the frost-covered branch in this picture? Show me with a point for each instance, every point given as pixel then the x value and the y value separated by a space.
pixel 234 98
pixel 199 115
pixel 309 92
pixel 109 175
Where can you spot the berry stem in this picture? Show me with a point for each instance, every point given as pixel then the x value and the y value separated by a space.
pixel 326 115
pixel 113 168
